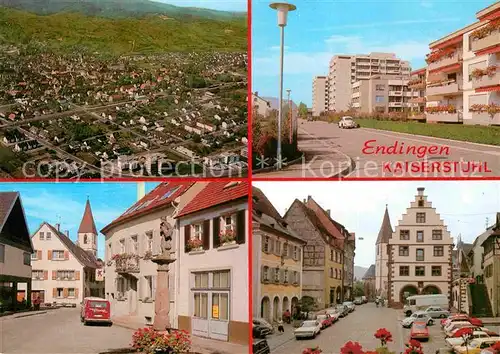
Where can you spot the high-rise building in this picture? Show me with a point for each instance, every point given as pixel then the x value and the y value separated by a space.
pixel 463 73
pixel 319 95
pixel 345 70
pixel 417 86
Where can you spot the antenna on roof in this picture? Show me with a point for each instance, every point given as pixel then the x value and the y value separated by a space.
pixel 487 223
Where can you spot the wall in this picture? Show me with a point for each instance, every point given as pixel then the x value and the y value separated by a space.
pixel 14 263
pixel 51 266
pixel 381 269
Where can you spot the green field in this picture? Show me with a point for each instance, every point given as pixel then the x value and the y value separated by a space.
pixel 474 134
pixel 74 32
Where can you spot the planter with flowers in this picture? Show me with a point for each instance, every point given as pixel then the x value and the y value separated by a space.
pixel 490 71
pixel 441 109
pixel 227 237
pixel 194 244
pixel 485 31
pixel 315 350
pixel 148 341
pixel 439 54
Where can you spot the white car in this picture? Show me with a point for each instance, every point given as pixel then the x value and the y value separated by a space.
pixel 448 330
pixel 476 345
pixel 347 123
pixel 453 342
pixel 420 316
pixel 308 329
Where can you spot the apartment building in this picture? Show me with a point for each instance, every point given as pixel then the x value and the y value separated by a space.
pixel 132 240
pixel 417 85
pixel 345 70
pixel 319 95
pixel 65 272
pixel 491 265
pixel 462 73
pixel 323 258
pixel 419 254
pixel 277 261
pixel 382 94
pixel 212 275
pixel 15 252
pixel 382 256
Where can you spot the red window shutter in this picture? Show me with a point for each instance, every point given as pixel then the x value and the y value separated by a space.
pixel 54 292
pixel 65 292
pixel 66 255
pixel 240 227
pixel 77 275
pixel 187 236
pixel 54 275
pixel 76 292
pixel 215 231
pixel 49 255
pixel 39 255
pixel 45 275
pixel 206 234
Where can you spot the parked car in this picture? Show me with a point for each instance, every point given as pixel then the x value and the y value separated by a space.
pixel 456 332
pixel 448 330
pixel 260 331
pixel 308 329
pixel 437 312
pixel 421 302
pixel 334 314
pixel 343 310
pixel 365 300
pixel 458 317
pixel 350 305
pixel 459 341
pixel 476 345
pixel 419 316
pixel 95 309
pixel 260 346
pixel 347 123
pixel 263 323
pixel 325 320
pixel 358 301
pixel 419 330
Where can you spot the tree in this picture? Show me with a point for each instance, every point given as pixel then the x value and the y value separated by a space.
pixel 359 289
pixel 302 109
pixel 307 304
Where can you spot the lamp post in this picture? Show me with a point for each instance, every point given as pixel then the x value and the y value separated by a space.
pixel 283 8
pixel 290 115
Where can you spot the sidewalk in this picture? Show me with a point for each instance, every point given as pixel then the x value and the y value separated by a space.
pixel 199 345
pixel 278 339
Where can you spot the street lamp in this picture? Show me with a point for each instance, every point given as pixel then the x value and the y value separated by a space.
pixel 283 8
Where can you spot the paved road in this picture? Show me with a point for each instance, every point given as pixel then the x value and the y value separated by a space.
pixel 59 331
pixel 329 150
pixel 359 326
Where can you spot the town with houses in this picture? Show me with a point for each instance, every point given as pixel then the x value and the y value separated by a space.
pixel 175 259
pixel 78 115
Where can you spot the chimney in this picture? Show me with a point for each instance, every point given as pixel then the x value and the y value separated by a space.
pixel 58 227
pixel 420 191
pixel 309 198
pixel 67 233
pixel 328 212
pixel 141 190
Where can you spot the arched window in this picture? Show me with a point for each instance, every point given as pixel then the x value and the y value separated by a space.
pixel 336 273
pixel 85 240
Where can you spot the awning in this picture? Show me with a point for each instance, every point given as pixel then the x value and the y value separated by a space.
pixel 491 50
pixel 450 67
pixel 488 89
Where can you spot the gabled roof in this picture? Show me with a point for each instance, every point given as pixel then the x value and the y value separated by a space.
pixel 163 195
pixel 85 258
pixel 265 213
pixel 329 224
pixel 87 224
pixel 385 232
pixel 12 212
pixel 370 273
pixel 214 194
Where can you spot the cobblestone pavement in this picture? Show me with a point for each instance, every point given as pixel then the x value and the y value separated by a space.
pixel 358 326
pixel 59 331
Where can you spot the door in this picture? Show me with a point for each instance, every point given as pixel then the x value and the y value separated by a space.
pixel 219 317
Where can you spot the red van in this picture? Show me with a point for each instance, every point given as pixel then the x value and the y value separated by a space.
pixel 95 309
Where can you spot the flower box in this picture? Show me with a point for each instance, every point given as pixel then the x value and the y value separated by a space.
pixel 194 244
pixel 490 71
pixel 486 30
pixel 227 237
pixel 441 109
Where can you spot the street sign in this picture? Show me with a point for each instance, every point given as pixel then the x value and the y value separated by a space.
pixel 99 274
pixel 215 311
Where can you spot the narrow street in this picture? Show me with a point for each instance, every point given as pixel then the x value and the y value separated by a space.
pixel 358 326
pixel 59 331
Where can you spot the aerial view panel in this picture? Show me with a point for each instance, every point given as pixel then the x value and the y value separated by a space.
pixel 110 89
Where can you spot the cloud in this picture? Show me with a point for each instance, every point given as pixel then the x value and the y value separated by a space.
pixel 384 24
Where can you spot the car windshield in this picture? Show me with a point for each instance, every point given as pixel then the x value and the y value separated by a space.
pixel 321 317
pixel 347 118
pixel 419 326
pixel 97 304
pixel 308 324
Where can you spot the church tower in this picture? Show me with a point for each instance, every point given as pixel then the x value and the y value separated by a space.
pixel 382 256
pixel 87 232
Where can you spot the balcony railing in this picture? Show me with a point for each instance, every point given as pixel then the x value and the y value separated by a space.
pixel 128 265
pixel 486 80
pixel 395 104
pixel 395 93
pixel 489 41
pixel 444 117
pixel 417 100
pixel 446 89
pixel 445 61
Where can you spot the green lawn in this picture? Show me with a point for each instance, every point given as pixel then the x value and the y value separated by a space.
pixel 470 133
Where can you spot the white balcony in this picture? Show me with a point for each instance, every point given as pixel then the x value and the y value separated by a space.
pixel 446 89
pixel 446 61
pixel 443 117
pixel 490 40
pixel 486 80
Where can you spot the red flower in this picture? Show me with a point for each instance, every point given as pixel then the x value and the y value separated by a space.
pixel 415 343
pixel 384 335
pixel 351 348
pixel 464 332
pixel 496 347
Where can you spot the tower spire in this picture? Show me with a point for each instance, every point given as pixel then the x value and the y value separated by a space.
pixel 385 232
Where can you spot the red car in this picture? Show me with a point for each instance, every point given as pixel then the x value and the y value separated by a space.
pixel 325 320
pixel 95 309
pixel 419 330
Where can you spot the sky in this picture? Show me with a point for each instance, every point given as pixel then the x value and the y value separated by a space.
pixel 64 203
pixel 360 206
pixel 319 29
pixel 223 5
